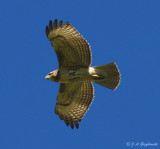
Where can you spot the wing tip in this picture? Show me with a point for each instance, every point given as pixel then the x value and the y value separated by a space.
pixel 68 122
pixel 55 25
pixel 47 31
pixel 76 124
pixel 72 124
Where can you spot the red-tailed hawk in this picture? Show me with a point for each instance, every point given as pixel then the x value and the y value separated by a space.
pixel 75 74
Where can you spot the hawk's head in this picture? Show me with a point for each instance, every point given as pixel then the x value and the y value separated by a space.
pixel 53 76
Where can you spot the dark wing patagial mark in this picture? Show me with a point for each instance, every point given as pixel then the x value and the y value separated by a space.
pixel 71 48
pixel 73 101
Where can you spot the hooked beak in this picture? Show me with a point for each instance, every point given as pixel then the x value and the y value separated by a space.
pixel 47 77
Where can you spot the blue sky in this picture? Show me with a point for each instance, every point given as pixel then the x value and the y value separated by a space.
pixel 126 32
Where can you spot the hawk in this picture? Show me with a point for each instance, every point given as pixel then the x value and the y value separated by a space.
pixel 74 74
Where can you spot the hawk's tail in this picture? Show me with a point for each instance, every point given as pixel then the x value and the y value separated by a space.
pixel 106 75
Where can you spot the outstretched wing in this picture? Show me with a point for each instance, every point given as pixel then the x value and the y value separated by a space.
pixel 73 101
pixel 71 48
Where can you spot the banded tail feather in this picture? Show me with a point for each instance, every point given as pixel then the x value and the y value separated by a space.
pixel 107 75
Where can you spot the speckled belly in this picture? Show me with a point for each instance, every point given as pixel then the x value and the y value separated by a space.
pixel 74 74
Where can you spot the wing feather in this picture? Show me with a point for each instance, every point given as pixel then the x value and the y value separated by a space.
pixel 73 101
pixel 71 48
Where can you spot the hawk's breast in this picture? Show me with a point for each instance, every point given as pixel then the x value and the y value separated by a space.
pixel 73 74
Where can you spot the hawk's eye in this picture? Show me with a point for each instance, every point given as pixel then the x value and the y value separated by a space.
pixel 50 73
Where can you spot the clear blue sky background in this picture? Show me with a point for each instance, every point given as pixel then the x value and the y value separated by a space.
pixel 126 32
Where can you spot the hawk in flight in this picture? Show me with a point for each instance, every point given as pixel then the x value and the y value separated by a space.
pixel 75 75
